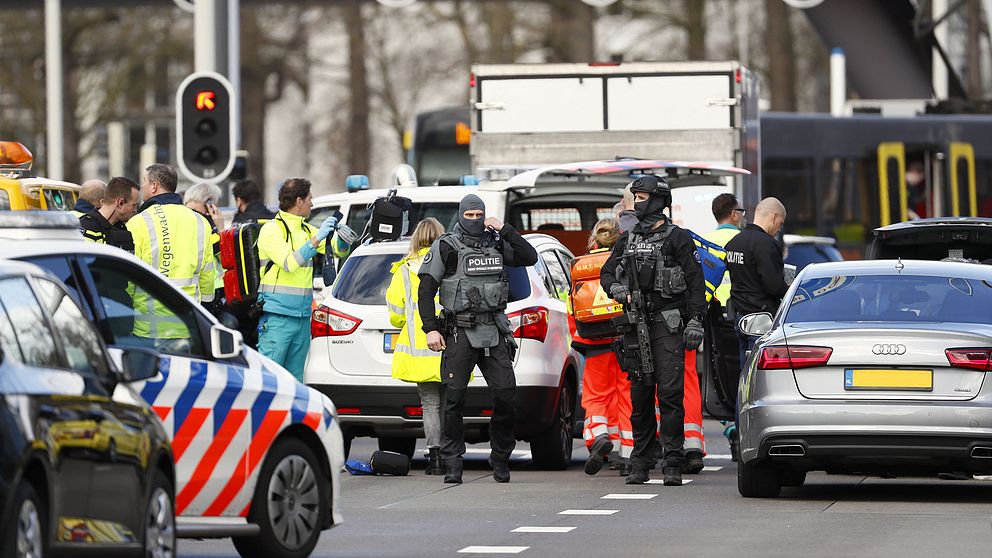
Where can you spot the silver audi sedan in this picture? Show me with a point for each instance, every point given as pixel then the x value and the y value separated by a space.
pixel 869 367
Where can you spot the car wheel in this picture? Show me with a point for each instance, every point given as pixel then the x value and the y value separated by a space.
pixel 552 450
pixel 758 479
pixel 289 505
pixel 24 536
pixel 406 446
pixel 793 478
pixel 160 519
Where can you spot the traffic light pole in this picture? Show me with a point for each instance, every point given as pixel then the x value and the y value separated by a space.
pixel 217 48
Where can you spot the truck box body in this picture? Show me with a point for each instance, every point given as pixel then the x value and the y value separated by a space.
pixel 528 115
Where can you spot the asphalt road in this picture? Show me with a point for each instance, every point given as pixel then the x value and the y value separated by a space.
pixel 831 516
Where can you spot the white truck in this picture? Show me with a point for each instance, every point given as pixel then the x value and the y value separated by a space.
pixel 531 115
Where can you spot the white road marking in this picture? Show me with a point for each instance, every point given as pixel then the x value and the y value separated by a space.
pixel 713 469
pixel 726 456
pixel 543 529
pixel 493 549
pixel 660 481
pixel 628 496
pixel 522 454
pixel 588 512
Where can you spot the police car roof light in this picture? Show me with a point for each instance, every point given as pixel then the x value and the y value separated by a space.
pixel 469 180
pixel 38 219
pixel 356 182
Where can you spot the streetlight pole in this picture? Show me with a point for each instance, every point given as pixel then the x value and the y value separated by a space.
pixel 54 164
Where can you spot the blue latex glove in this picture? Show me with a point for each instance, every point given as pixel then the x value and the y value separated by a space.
pixel 327 227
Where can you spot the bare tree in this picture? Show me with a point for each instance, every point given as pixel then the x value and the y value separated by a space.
pixel 360 143
pixel 974 49
pixel 570 32
pixel 695 26
pixel 781 56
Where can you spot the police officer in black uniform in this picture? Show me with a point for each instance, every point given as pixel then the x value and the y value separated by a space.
pixel 757 273
pixel 105 224
pixel 468 266
pixel 669 276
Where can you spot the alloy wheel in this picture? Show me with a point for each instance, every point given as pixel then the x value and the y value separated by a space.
pixel 160 528
pixel 28 531
pixel 293 501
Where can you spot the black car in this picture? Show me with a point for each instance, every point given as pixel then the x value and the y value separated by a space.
pixel 84 462
pixel 934 239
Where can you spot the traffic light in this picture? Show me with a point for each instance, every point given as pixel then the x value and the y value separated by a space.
pixel 205 127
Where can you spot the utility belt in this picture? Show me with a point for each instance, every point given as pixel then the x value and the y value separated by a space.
pixel 467 319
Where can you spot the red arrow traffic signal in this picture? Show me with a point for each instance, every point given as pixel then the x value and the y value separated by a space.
pixel 205 100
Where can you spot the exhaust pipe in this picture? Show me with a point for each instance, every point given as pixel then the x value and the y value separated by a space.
pixel 788 450
pixel 981 452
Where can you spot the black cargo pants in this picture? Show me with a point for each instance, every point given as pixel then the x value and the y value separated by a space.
pixel 668 384
pixel 457 362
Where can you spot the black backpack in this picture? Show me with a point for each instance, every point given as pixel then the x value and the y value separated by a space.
pixel 391 218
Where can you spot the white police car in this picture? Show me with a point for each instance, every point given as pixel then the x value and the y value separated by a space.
pixel 257 453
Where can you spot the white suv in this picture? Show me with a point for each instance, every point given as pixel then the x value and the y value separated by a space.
pixel 351 356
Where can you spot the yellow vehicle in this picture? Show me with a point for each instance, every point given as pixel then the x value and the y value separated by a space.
pixel 20 190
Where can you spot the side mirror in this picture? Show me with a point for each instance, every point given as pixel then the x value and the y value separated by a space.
pixel 757 324
pixel 225 342
pixel 137 363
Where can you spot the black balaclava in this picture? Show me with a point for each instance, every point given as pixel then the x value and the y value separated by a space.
pixel 651 211
pixel 472 227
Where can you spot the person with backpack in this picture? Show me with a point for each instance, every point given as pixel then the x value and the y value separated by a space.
pixel 287 247
pixel 605 386
pixel 413 361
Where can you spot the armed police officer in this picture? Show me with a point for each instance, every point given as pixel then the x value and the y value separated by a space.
pixel 468 265
pixel 654 271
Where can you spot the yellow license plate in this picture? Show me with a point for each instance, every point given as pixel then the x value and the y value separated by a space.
pixel 887 378
pixel 389 342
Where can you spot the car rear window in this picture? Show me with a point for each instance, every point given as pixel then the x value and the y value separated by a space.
pixel 902 298
pixel 445 212
pixel 365 278
pixel 803 254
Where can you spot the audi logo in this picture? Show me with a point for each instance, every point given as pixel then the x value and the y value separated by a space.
pixel 889 349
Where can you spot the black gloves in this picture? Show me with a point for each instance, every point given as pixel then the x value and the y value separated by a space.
pixel 693 334
pixel 619 292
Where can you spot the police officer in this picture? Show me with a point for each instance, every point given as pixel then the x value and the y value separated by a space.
pixel 105 224
pixel 91 195
pixel 670 278
pixel 757 273
pixel 468 266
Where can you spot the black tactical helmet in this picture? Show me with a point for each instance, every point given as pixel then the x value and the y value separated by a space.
pixel 654 186
pixel 651 184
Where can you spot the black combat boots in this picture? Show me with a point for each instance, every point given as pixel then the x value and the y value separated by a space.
pixel 453 471
pixel 501 470
pixel 692 464
pixel 673 474
pixel 638 475
pixel 601 447
pixel 434 464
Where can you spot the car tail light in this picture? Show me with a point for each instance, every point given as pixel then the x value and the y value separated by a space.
pixel 349 411
pixel 791 358
pixel 976 359
pixel 414 411
pixel 486 412
pixel 530 323
pixel 325 322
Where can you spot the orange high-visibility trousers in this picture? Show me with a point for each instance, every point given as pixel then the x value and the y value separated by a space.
pixel 606 401
pixel 693 403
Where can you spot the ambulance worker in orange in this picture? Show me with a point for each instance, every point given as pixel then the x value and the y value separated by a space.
pixel 605 387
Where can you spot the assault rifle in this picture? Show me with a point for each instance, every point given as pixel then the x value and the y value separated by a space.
pixel 641 367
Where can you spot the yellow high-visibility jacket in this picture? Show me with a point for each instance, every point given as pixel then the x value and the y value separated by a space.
pixel 175 240
pixel 287 284
pixel 721 236
pixel 413 361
